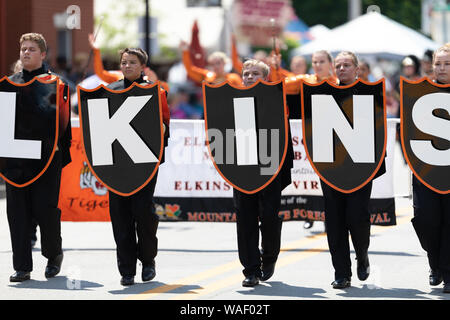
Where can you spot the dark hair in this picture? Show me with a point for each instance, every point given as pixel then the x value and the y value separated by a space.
pixel 364 63
pixel 138 52
pixel 428 55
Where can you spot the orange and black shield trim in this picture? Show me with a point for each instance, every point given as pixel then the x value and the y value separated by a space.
pixel 124 175
pixel 36 122
pixel 263 117
pixel 341 170
pixel 425 124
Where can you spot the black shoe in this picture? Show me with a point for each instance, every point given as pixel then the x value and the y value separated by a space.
pixel 446 288
pixel 435 277
pixel 267 271
pixel 148 272
pixel 250 281
pixel 19 276
pixel 341 283
pixel 127 280
pixel 54 266
pixel 363 268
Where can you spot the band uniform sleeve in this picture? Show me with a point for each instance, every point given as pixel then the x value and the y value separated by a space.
pixel 193 72
pixel 237 63
pixel 164 85
pixel 99 70
pixel 292 84
pixel 279 74
pixel 285 73
pixel 166 120
pixel 165 107
pixel 234 79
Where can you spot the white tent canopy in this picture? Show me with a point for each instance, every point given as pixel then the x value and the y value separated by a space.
pixel 319 30
pixel 372 34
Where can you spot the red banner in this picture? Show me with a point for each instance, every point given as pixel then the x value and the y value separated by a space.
pixel 252 20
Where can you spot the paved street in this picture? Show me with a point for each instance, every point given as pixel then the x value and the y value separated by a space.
pixel 199 261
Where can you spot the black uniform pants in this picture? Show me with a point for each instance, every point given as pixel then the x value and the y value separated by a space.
pixel 131 216
pixel 39 202
pixel 251 209
pixel 432 225
pixel 346 213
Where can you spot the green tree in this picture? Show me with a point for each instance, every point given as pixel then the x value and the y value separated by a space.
pixel 333 13
pixel 330 13
pixel 119 25
pixel 407 12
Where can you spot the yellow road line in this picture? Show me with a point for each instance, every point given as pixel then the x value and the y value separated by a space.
pixel 236 278
pixel 282 261
pixel 231 266
pixel 211 272
pixel 186 281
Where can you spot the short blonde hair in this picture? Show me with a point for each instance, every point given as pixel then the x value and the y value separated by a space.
pixel 35 37
pixel 218 54
pixel 349 54
pixel 258 63
pixel 444 48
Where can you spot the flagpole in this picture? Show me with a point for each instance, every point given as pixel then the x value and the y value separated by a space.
pixel 274 40
pixel 92 51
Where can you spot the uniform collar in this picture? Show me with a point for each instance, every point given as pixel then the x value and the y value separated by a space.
pixel 28 75
pixel 129 83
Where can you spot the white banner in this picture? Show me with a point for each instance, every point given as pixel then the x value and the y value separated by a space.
pixel 189 172
pixel 189 188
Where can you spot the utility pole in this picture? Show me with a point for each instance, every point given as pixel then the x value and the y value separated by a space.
pixel 147 29
pixel 354 9
pixel 444 21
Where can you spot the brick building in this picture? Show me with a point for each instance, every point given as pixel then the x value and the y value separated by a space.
pixel 45 17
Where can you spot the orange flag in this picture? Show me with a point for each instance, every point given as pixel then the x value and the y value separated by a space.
pixel 82 197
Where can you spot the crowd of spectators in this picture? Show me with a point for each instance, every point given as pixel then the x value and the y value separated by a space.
pixel 185 97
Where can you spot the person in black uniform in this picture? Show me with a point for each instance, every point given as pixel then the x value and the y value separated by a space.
pixel 260 210
pixel 135 214
pixel 16 68
pixel 346 213
pixel 39 200
pixel 431 219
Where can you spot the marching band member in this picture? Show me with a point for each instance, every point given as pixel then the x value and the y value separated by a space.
pixel 431 209
pixel 322 64
pixel 261 207
pixel 112 76
pixel 216 75
pixel 135 214
pixel 298 65
pixel 344 212
pixel 275 70
pixel 39 200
